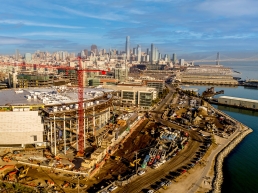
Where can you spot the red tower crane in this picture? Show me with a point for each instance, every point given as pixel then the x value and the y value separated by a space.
pixel 80 72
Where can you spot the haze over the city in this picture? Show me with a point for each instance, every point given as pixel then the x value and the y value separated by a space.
pixel 185 27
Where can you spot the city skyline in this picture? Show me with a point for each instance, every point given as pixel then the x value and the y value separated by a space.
pixel 181 27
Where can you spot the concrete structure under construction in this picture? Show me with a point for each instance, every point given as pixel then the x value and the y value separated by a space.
pixel 208 74
pixel 239 102
pixel 49 117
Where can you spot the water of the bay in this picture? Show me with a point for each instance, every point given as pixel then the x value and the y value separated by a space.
pixel 240 167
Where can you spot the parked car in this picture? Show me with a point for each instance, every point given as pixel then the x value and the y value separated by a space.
pixel 150 191
pixel 112 188
pixel 167 182
pixel 162 183
pixel 141 172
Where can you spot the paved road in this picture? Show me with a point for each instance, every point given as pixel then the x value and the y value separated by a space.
pixel 153 175
pixel 182 159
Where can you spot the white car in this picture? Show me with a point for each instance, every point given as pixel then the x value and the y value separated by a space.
pixel 150 191
pixel 112 188
pixel 141 172
pixel 163 161
pixel 156 165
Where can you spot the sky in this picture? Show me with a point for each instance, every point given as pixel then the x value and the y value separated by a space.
pixel 185 27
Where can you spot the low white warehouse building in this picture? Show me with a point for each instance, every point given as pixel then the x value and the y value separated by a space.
pixel 241 102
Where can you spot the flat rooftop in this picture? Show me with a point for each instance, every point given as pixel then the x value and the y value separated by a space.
pixel 239 99
pixel 47 96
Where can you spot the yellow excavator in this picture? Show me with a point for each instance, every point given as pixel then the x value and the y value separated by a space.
pixel 117 158
pixel 23 173
pixel 137 161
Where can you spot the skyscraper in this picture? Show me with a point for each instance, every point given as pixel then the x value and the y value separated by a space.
pixel 134 51
pixel 156 58
pixel 139 53
pixel 94 49
pixel 174 58
pixel 152 56
pixel 127 47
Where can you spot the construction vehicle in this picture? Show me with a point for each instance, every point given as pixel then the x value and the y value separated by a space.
pixel 137 161
pixel 50 183
pixel 65 184
pixel 12 176
pixel 117 158
pixel 5 169
pixel 6 159
pixel 23 173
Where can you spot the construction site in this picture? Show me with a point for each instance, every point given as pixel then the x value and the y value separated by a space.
pixel 39 127
pixel 118 147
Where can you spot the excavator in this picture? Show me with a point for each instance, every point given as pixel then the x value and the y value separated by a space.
pixel 23 173
pixel 5 169
pixel 11 176
pixel 137 161
pixel 17 174
pixel 117 158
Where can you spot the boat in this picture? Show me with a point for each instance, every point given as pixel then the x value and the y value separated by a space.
pixel 237 72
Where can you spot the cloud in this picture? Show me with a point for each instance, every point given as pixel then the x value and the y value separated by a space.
pixel 107 16
pixel 62 34
pixel 12 41
pixel 39 24
pixel 230 8
pixel 136 11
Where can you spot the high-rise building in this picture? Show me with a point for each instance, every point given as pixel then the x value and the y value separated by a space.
pixel 17 54
pixel 160 56
pixel 86 53
pixel 94 49
pixel 121 73
pixel 139 53
pixel 156 54
pixel 83 54
pixel 127 47
pixel 152 56
pixel 134 51
pixel 28 57
pixel 174 58
pixel 148 51
pixel 165 57
pixel 181 62
pixel 147 58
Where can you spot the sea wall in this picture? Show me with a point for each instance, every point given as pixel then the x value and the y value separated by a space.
pixel 218 179
pixel 242 131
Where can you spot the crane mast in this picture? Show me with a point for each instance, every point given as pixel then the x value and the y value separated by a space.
pixel 80 110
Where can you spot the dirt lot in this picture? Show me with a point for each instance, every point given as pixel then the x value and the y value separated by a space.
pixel 138 140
